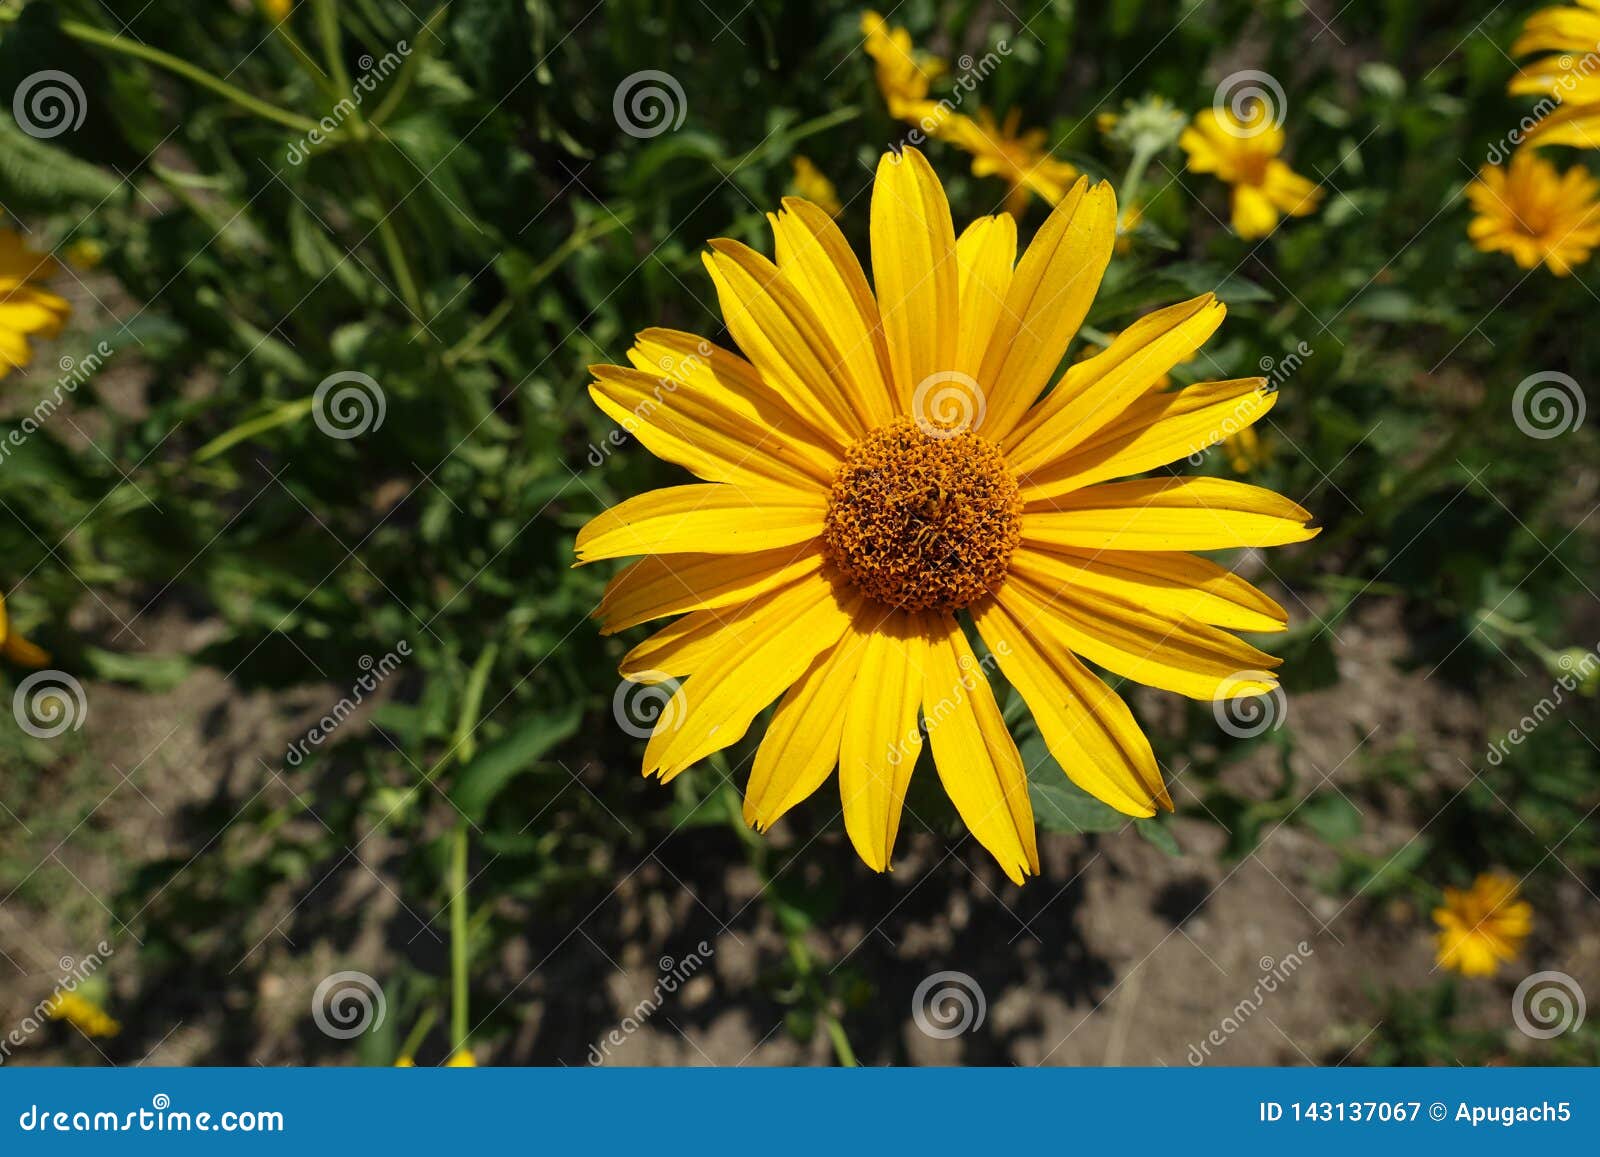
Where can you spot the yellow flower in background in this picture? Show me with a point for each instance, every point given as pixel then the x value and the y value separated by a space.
pixel 1535 213
pixel 405 1063
pixel 903 73
pixel 1244 153
pixel 17 649
pixel 277 9
pixel 1022 160
pixel 1247 451
pixel 25 309
pixel 812 185
pixel 1128 223
pixel 462 1059
pixel 882 468
pixel 86 253
pixel 1570 74
pixel 1482 927
pixel 88 1017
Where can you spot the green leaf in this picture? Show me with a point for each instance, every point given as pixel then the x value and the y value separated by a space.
pixel 497 765
pixel 1059 805
pixel 34 175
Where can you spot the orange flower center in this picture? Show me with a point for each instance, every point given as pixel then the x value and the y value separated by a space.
pixel 923 520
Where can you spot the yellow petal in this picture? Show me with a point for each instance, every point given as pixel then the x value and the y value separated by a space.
pixel 1086 726
pixel 914 269
pixel 1176 584
pixel 707 518
pixel 1254 214
pixel 986 252
pixel 660 585
pixel 680 649
pixel 801 745
pixel 1177 655
pixel 1095 392
pixel 692 428
pixel 881 742
pixel 1155 430
pixel 760 659
pixel 782 337
pixel 1167 514
pixel 1049 295
pixel 976 757
pixel 819 263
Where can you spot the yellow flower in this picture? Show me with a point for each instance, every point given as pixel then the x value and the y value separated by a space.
pixel 903 73
pixel 1534 213
pixel 1094 350
pixel 1481 927
pixel 25 309
pixel 1245 155
pixel 89 1018
pixel 1569 75
pixel 883 468
pixel 405 1063
pixel 1127 225
pixel 1246 450
pixel 1022 160
pixel 277 10
pixel 86 253
pixel 461 1059
pixel 15 648
pixel 810 183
